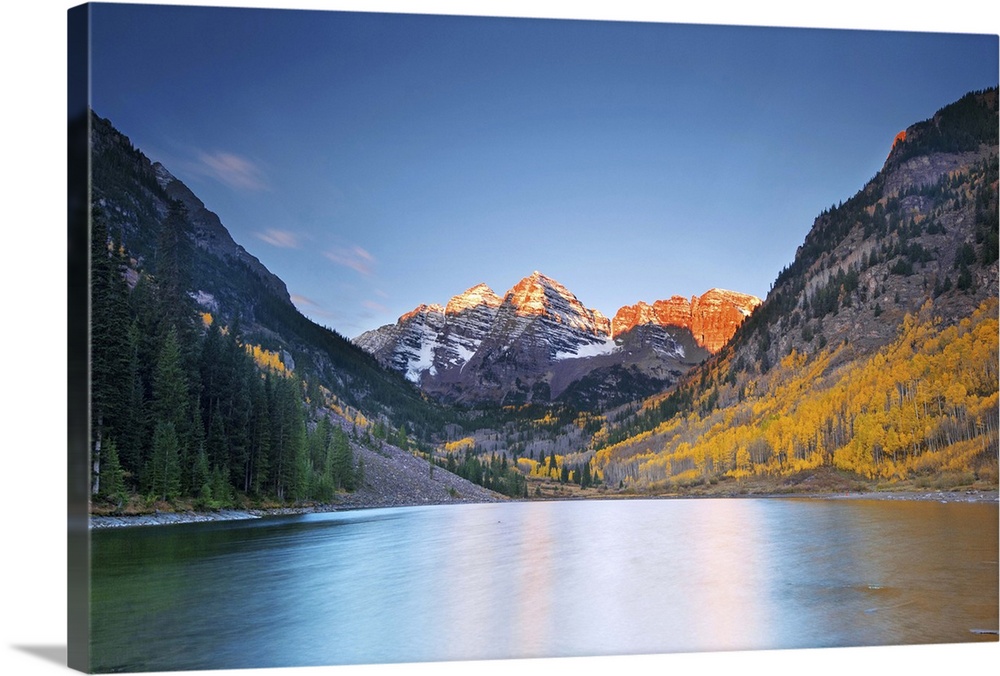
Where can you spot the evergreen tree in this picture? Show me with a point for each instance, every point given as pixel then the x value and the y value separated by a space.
pixel 303 484
pixel 109 321
pixel 164 473
pixel 260 440
pixel 221 490
pixel 359 474
pixel 237 409
pixel 288 437
pixel 173 252
pixel 170 388
pixel 343 460
pixel 133 432
pixel 169 407
pixel 319 445
pixel 190 483
pixel 215 443
pixel 112 481
pixel 201 475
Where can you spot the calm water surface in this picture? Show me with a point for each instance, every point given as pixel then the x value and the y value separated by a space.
pixel 543 580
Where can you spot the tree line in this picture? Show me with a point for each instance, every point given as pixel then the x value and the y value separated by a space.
pixel 180 408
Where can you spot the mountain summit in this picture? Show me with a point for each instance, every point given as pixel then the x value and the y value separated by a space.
pixel 712 317
pixel 540 342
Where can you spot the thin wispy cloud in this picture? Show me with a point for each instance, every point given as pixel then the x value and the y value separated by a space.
pixel 279 238
pixel 310 306
pixel 233 170
pixel 372 305
pixel 354 258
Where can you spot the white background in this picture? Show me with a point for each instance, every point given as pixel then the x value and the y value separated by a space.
pixel 33 371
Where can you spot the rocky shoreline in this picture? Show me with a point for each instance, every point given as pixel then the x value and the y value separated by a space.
pixel 931 496
pixel 355 502
pixel 167 518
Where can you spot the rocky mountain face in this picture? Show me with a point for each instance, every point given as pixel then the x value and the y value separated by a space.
pixel 540 343
pixel 139 199
pixel 209 233
pixel 923 230
pixel 875 351
pixel 712 318
pixel 136 197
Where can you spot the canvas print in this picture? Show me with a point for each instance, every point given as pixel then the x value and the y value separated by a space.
pixel 409 338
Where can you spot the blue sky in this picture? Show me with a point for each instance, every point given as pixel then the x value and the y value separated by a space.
pixel 378 161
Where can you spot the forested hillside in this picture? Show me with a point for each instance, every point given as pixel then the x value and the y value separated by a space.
pixel 875 351
pixel 207 384
pixel 182 407
pixel 923 407
pixel 875 355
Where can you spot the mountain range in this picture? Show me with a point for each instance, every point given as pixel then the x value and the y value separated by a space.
pixel 875 353
pixel 539 343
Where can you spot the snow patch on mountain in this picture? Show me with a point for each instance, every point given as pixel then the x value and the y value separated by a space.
pixel 606 346
pixel 481 346
pixel 424 362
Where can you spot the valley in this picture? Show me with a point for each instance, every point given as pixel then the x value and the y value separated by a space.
pixel 870 365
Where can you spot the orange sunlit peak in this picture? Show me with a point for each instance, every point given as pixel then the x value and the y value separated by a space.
pixel 900 137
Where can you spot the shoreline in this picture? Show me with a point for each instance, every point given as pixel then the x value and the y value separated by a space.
pixel 100 522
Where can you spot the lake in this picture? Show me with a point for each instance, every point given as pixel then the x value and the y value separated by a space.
pixel 543 579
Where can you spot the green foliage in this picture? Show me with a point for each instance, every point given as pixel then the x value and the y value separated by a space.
pixel 184 412
pixel 109 363
pixel 965 281
pixel 902 267
pixel 958 127
pixel 112 476
pixel 609 387
pixel 495 474
pixel 163 474
pixel 342 461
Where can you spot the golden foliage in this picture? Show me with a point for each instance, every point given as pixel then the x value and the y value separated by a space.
pixel 926 404
pixel 459 445
pixel 267 360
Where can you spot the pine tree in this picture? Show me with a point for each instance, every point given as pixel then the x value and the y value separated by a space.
pixel 164 473
pixel 170 388
pixel 133 434
pixel 170 407
pixel 173 255
pixel 215 442
pixel 109 322
pixel 201 475
pixel 359 474
pixel 237 409
pixel 260 440
pixel 288 437
pixel 112 481
pixel 343 460
pixel 221 490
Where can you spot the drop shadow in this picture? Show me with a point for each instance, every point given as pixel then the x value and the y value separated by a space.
pixel 50 653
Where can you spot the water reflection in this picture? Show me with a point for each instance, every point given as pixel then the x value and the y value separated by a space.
pixel 543 579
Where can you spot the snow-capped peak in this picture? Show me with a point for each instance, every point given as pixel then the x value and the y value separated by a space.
pixel 422 309
pixel 478 295
pixel 541 295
